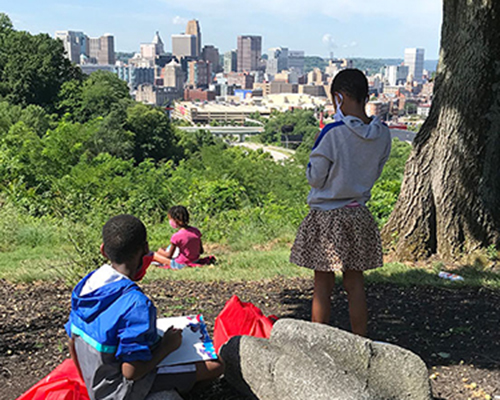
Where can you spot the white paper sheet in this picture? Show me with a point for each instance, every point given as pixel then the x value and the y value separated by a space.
pixel 196 343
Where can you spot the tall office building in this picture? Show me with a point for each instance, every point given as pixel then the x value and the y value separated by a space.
pixel 396 74
pixel 414 60
pixel 103 49
pixel 230 61
pixel 249 53
pixel 173 75
pixel 153 49
pixel 199 73
pixel 159 47
pixel 296 61
pixel 183 46
pixel 193 28
pixel 75 44
pixel 277 60
pixel 211 54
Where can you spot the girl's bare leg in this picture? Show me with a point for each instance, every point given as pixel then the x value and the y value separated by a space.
pixel 324 282
pixel 354 285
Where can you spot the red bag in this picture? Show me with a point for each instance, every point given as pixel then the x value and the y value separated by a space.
pixel 238 318
pixel 64 383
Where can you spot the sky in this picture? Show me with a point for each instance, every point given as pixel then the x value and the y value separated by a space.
pixel 349 28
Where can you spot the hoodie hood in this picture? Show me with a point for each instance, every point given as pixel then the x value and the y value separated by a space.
pixel 89 306
pixel 370 131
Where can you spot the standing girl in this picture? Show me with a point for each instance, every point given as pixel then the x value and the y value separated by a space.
pixel 339 234
pixel 187 240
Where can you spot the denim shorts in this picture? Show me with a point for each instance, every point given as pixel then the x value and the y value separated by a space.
pixel 175 265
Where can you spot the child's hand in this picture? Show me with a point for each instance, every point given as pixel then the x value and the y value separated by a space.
pixel 172 339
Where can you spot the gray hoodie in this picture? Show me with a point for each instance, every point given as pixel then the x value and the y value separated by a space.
pixel 346 160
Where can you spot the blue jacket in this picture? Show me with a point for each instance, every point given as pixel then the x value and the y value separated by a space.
pixel 117 318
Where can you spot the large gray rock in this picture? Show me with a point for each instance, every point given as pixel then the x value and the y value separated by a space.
pixel 310 361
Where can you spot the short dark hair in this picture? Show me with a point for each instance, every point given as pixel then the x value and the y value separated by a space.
pixel 352 82
pixel 123 236
pixel 180 214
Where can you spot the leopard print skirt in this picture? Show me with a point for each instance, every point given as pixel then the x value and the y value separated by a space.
pixel 338 240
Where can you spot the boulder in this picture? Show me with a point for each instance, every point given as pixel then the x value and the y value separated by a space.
pixel 304 360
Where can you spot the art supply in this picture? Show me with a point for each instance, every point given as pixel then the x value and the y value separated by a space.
pixel 196 343
pixel 450 276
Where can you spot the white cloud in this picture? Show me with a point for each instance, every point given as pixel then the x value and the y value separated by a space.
pixel 329 41
pixel 179 20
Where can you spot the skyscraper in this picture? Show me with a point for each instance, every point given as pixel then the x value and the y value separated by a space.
pixel 183 46
pixel 193 28
pixel 199 73
pixel 159 48
pixel 296 61
pixel 173 75
pixel 153 49
pixel 277 60
pixel 103 49
pixel 396 74
pixel 230 61
pixel 414 60
pixel 249 53
pixel 211 54
pixel 75 44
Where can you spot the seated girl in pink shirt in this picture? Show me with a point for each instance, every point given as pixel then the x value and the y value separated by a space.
pixel 187 240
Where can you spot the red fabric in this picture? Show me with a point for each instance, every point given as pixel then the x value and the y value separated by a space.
pixel 63 383
pixel 239 318
pixel 203 261
pixel 200 263
pixel 321 123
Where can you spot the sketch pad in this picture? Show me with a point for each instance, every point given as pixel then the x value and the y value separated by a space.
pixel 196 343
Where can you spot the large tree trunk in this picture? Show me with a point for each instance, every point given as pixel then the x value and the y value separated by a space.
pixel 450 199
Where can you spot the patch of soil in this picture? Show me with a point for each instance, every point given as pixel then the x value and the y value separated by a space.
pixel 455 331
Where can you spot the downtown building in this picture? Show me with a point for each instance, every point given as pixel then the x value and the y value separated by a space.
pixel 249 53
pixel 277 60
pixel 82 49
pixel 193 28
pixel 75 44
pixel 296 61
pixel 414 60
pixel 211 54
pixel 230 61
pixel 184 46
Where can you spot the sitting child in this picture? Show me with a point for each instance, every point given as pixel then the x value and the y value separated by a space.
pixel 112 326
pixel 187 241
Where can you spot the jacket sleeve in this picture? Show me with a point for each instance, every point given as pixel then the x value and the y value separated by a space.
pixel 320 162
pixel 385 156
pixel 137 333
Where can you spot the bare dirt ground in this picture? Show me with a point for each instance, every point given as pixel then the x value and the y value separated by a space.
pixel 455 331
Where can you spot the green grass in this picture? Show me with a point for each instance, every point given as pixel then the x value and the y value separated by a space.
pixel 26 264
pixel 247 265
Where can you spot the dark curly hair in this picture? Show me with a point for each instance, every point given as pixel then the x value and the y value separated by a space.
pixel 123 236
pixel 352 82
pixel 180 214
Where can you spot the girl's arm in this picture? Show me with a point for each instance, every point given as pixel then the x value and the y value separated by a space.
pixel 170 251
pixel 320 160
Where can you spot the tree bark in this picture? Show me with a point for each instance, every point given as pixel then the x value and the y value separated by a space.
pixel 450 198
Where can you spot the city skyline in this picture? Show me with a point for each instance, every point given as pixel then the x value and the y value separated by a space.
pixel 346 28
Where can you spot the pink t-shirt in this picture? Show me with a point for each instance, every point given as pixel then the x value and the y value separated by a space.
pixel 188 240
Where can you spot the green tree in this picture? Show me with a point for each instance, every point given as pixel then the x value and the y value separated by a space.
pixel 32 67
pixel 101 91
pixel 450 198
pixel 154 135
